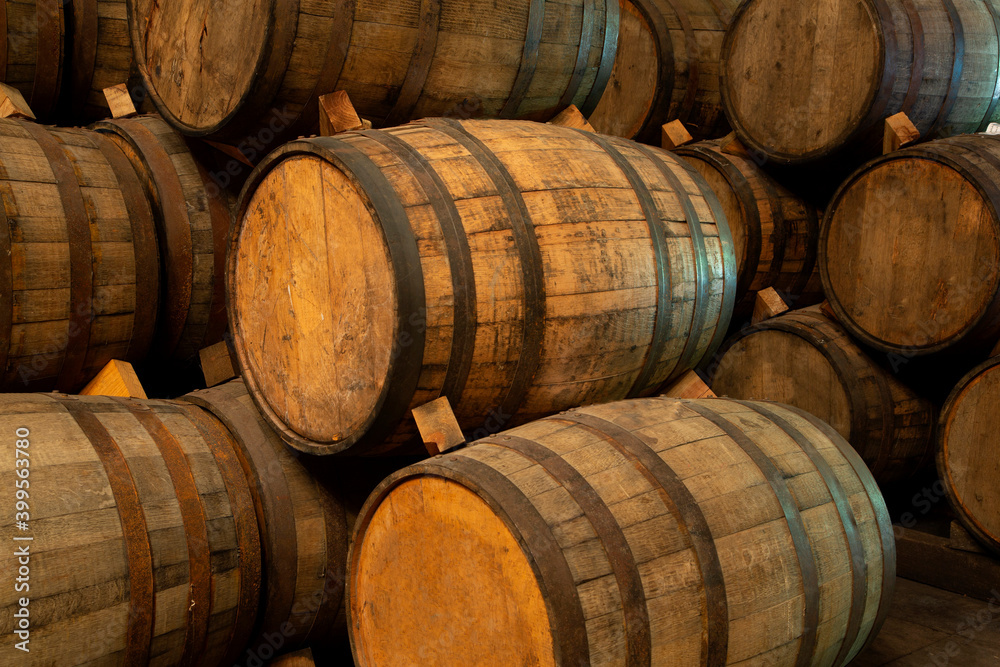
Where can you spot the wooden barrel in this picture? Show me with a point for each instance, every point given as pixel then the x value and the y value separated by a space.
pixel 304 529
pixel 79 269
pixel 775 232
pixel 193 221
pixel 250 72
pixel 648 532
pixel 100 56
pixel 806 360
pixel 667 68
pixel 910 248
pixel 517 268
pixel 830 72
pixel 967 460
pixel 32 43
pixel 144 545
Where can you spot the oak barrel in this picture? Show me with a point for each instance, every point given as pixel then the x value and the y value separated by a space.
pixel 666 68
pixel 304 528
pixel 79 268
pixel 802 79
pixel 910 248
pixel 775 232
pixel 253 71
pixel 144 545
pixel 517 268
pixel 806 360
pixel 968 458
pixel 32 51
pixel 647 532
pixel 62 54
pixel 193 221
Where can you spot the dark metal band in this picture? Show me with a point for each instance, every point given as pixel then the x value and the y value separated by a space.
pixel 638 646
pixel 81 258
pixel 988 118
pixel 177 248
pixel 528 252
pixel 612 20
pixel 222 221
pixel 420 63
pixel 724 15
pixel 917 64
pixel 793 518
pixel 3 41
pixel 333 66
pixel 747 199
pixel 199 599
pixel 859 564
pixel 582 55
pixel 694 65
pixel 245 522
pixel 144 250
pixel 463 278
pixel 566 619
pixel 886 534
pixel 890 53
pixel 700 253
pixel 657 236
pixel 50 23
pixel 812 250
pixel 138 552
pixel 529 59
pixel 84 38
pixel 691 522
pixel 780 235
pixel 958 39
pixel 410 295
pixel 271 494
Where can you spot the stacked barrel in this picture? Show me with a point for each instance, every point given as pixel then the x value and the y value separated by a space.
pixel 459 315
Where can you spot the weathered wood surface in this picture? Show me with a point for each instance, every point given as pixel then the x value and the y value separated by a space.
pixel 62 55
pixel 929 626
pixel 968 456
pixel 801 80
pixel 517 268
pixel 79 268
pixel 654 531
pixel 667 68
pixel 930 559
pixel 910 248
pixel 806 360
pixel 193 221
pixel 144 542
pixel 248 72
pixel 775 232
pixel 304 527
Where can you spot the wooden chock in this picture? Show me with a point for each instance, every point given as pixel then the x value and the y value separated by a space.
pixel 572 117
pixel 959 538
pixel 217 364
pixel 899 132
pixel 689 385
pixel 827 311
pixel 337 114
pixel 674 135
pixel 731 145
pixel 768 304
pixel 996 350
pixel 13 105
pixel 438 426
pixel 231 151
pixel 117 378
pixel 120 101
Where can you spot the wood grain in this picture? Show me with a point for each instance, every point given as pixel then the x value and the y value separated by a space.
pixel 753 533
pixel 145 544
pixel 252 73
pixel 967 456
pixel 517 268
pixel 910 246
pixel 832 71
pixel 806 360
pixel 80 270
